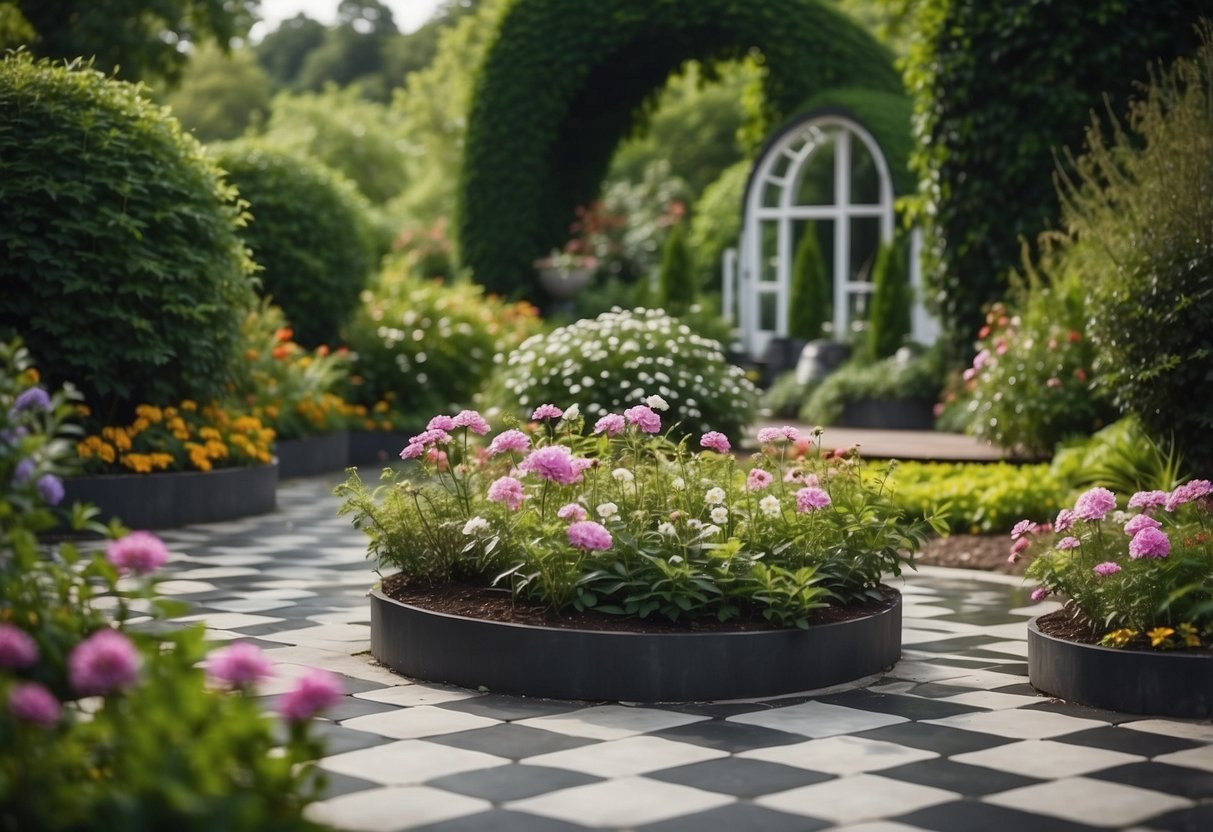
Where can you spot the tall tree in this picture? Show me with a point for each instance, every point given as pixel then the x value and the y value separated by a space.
pixel 282 52
pixel 220 96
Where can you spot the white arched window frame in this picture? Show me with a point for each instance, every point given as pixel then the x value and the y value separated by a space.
pixel 782 167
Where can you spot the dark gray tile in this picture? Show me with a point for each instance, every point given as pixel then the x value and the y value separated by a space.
pixel 514 742
pixel 972 816
pixel 351 707
pixel 942 739
pixel 1182 781
pixel 1196 819
pixel 1142 743
pixel 953 646
pixel 1057 706
pixel 970 781
pixel 911 707
pixel 933 690
pixel 728 736
pixel 740 777
pixel 510 708
pixel 516 782
pixel 336 785
pixel 338 740
pixel 737 817
pixel 502 820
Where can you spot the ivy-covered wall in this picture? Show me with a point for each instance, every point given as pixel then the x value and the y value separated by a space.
pixel 566 80
pixel 999 89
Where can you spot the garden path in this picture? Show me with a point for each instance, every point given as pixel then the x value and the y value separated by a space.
pixel 952 738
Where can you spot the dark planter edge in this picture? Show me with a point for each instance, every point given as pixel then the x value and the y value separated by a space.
pixel 1130 681
pixel 375 448
pixel 311 456
pixel 594 665
pixel 888 414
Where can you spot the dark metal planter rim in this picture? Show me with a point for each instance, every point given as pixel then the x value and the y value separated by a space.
pixel 564 663
pixel 309 456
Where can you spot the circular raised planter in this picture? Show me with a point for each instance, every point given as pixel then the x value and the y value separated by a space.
pixel 178 498
pixel 888 414
pixel 560 663
pixel 1131 681
pixel 375 447
pixel 312 455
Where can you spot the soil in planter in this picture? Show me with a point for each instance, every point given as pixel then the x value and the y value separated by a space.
pixel 474 601
pixel 1061 624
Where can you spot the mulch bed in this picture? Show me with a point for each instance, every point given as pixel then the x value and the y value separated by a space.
pixel 988 552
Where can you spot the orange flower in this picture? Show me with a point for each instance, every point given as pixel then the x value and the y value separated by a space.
pixel 284 334
pixel 282 351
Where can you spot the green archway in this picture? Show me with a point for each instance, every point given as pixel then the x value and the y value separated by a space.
pixel 565 81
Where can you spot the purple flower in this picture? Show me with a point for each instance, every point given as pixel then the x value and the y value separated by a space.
pixel 50 489
pixel 1139 522
pixel 240 665
pixel 1094 504
pixel 31 702
pixel 769 435
pixel 1065 520
pixel 1188 492
pixel 758 479
pixel 572 511
pixel 32 398
pixel 11 436
pixel 138 553
pixel 510 440
pixel 1149 499
pixel 17 648
pixel 716 441
pixel 1149 543
pixel 643 417
pixel 507 490
pixel 553 463
pixel 1040 593
pixel 103 662
pixel 473 421
pixel 441 422
pixel 586 534
pixel 1067 543
pixel 23 471
pixel 811 499
pixel 611 424
pixel 314 692
pixel 1023 527
pixel 1105 569
pixel 547 411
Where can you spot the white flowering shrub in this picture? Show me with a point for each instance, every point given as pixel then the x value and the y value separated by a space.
pixel 622 357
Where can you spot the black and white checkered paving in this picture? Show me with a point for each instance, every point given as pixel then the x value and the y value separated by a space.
pixel 952 738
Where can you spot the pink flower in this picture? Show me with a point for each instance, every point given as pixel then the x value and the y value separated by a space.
pixel 1188 492
pixel 811 499
pixel 547 411
pixel 103 662
pixel 1023 527
pixel 412 451
pixel 1149 543
pixel 969 374
pixel 418 444
pixel 1149 499
pixel 1067 543
pixel 1040 593
pixel 1065 520
pixel 981 360
pixel 314 692
pixel 611 424
pixel 586 534
pixel 1053 382
pixel 507 490
pixel 643 417
pixel 553 463
pixel 31 702
pixel 758 479
pixel 239 665
pixel 17 648
pixel 716 441
pixel 572 511
pixel 473 421
pixel 1103 570
pixel 768 435
pixel 1094 504
pixel 1139 522
pixel 137 553
pixel 510 440
pixel 1018 548
pixel 441 423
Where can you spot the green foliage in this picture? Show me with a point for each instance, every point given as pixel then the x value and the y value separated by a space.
pixel 309 234
pixel 811 304
pixel 134 39
pixel 636 217
pixel 900 376
pixel 1140 205
pixel 353 51
pixel 1120 457
pixel 282 52
pixel 716 223
pixel 892 300
pixel 123 270
pixel 675 280
pixel 619 358
pixel 999 88
pixel 221 95
pixel 552 105
pixel 784 398
pixel 14 28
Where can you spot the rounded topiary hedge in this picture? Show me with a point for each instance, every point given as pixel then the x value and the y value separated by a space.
pixel 122 268
pixel 565 80
pixel 309 233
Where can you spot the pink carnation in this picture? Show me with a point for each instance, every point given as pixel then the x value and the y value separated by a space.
pixel 811 499
pixel 1139 522
pixel 586 534
pixel 1149 499
pixel 239 665
pixel 981 360
pixel 473 421
pixel 768 435
pixel 1187 493
pixel 412 451
pixel 17 648
pixel 418 444
pixel 1040 593
pixel 553 463
pixel 507 490
pixel 313 693
pixel 611 424
pixel 1149 543
pixel 31 702
pixel 441 423
pixel 1023 527
pixel 643 417
pixel 547 411
pixel 1067 543
pixel 1065 520
pixel 572 511
pixel 103 662
pixel 1018 548
pixel 1094 504
pixel 510 440
pixel 716 441
pixel 1103 570
pixel 137 553
pixel 758 479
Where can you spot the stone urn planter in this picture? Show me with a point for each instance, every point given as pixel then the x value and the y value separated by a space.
pixel 310 456
pixel 564 284
pixel 178 498
pixel 564 663
pixel 1156 683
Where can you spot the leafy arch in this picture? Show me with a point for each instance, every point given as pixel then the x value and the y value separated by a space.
pixel 565 81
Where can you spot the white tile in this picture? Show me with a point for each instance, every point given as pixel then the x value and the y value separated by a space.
pixel 877 826
pixel 249 604
pixel 913 610
pixel 629 756
pixel 417 694
pixel 421 721
pixel 610 722
pixel 321 633
pixel 393 808
pixel 230 620
pixel 213 572
pixel 177 586
pixel 280 594
pixel 1018 724
pixel 858 798
pixel 408 762
pixel 1011 648
pixel 983 679
pixel 1173 728
pixel 817 719
pixel 925 671
pixel 1045 759
pixel 840 755
pixel 1201 758
pixel 1095 802
pixel 621 803
pixel 992 699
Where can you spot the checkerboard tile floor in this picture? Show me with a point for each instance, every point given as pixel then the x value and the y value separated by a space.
pixel 952 738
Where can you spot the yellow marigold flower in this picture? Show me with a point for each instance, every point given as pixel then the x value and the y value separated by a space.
pixel 106 452
pixel 181 435
pixel 1190 634
pixel 108 432
pixel 381 406
pixel 1160 636
pixel 121 441
pixel 162 461
pixel 83 410
pixel 31 375
pixel 1118 638
pixel 140 425
pixel 139 463
pixel 216 449
pixel 84 450
pixel 209 433
pixel 189 405
pixel 385 425
pixel 150 412
pixel 272 411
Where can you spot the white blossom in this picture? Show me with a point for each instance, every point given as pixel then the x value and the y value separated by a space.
pixel 657 403
pixel 622 475
pixel 720 515
pixel 714 496
pixel 475 526
pixel 607 510
pixel 769 505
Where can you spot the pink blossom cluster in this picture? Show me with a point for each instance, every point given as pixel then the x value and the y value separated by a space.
pixel 18 649
pixel 33 703
pixel 588 535
pixel 315 691
pixel 104 662
pixel 1149 543
pixel 1187 493
pixel 138 553
pixel 507 490
pixel 1105 569
pixel 643 417
pixel 1139 522
pixel 510 440
pixel 556 464
pixel 767 436
pixel 572 511
pixel 547 411
pixel 611 424
pixel 1065 520
pixel 1149 499
pixel 425 441
pixel 758 479
pixel 714 440
pixel 1023 527
pixel 811 499
pixel 240 665
pixel 1094 504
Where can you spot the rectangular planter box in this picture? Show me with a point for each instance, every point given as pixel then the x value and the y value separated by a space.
pixel 313 455
pixel 376 448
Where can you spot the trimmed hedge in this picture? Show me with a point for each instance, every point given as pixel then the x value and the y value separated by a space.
pixel 566 80
pixel 122 268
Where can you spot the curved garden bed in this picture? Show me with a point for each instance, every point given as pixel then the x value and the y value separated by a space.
pixel 564 663
pixel 313 455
